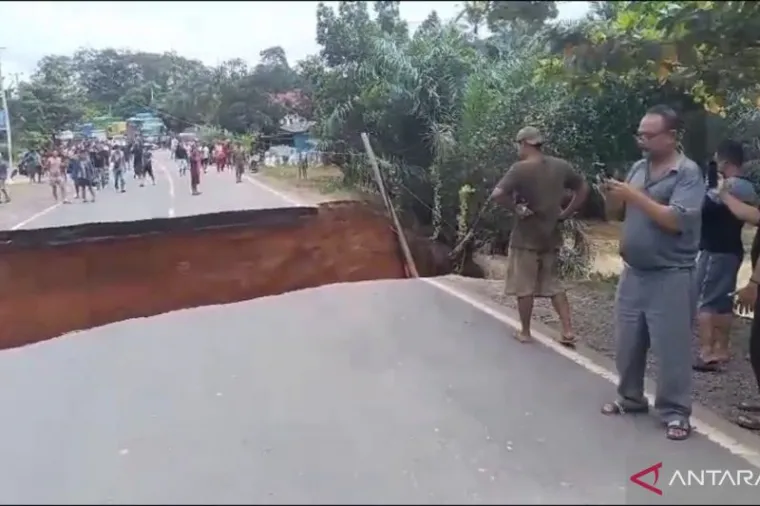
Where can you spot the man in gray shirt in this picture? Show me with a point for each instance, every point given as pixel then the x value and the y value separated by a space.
pixel 4 180
pixel 656 300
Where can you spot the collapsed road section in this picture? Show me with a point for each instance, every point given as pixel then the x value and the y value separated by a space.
pixel 58 280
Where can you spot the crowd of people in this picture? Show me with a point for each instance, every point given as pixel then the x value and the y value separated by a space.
pixel 92 165
pixel 681 244
pixel 197 156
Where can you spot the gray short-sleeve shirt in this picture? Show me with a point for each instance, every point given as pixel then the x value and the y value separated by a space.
pixel 644 244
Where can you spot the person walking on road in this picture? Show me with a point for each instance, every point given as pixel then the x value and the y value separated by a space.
pixel 195 169
pixel 205 157
pixel 119 165
pixel 57 177
pixel 656 297
pixel 147 165
pixel 137 157
pixel 4 180
pixel 84 174
pixel 540 182
pixel 239 160
pixel 220 158
pixel 182 158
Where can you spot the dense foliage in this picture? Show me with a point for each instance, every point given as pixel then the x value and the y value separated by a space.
pixel 442 103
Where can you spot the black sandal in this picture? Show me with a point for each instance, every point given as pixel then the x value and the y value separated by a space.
pixel 706 365
pixel 748 422
pixel 678 430
pixel 748 407
pixel 568 340
pixel 618 408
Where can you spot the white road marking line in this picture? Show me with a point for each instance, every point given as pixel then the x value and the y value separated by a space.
pixel 34 217
pixel 263 186
pixel 713 434
pixel 171 188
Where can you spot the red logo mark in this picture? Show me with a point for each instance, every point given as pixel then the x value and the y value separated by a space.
pixel 655 469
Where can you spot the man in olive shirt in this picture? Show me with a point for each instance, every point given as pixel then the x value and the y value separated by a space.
pixel 534 189
pixel 656 301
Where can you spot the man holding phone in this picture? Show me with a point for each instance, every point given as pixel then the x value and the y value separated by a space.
pixel 720 255
pixel 655 301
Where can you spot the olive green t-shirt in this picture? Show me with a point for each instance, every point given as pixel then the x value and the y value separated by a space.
pixel 539 184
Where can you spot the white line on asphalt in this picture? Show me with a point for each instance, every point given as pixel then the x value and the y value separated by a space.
pixel 712 433
pixel 171 189
pixel 34 217
pixel 261 185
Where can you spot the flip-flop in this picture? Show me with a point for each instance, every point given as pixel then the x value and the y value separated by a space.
pixel 748 407
pixel 748 422
pixel 706 365
pixel 617 408
pixel 568 341
pixel 678 430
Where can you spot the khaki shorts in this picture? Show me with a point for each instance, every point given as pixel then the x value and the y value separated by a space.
pixel 530 273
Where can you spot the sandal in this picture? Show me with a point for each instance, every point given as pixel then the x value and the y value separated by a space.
pixel 618 408
pixel 748 422
pixel 706 365
pixel 748 407
pixel 678 430
pixel 567 340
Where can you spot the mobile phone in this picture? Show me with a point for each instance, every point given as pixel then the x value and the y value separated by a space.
pixel 603 172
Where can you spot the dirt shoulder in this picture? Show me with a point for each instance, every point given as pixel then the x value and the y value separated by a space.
pixel 592 301
pixel 321 185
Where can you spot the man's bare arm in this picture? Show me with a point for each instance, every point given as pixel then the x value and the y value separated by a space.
pixel 504 192
pixel 576 202
pixel 685 203
pixel 742 211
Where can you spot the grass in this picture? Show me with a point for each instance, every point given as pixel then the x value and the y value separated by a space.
pixel 325 179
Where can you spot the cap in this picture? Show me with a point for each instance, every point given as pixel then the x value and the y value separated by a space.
pixel 530 135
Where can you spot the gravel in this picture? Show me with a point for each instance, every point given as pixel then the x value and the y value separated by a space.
pixel 592 305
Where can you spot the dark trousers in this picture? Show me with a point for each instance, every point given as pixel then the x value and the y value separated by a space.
pixel 754 342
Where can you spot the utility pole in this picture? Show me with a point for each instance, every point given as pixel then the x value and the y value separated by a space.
pixel 7 114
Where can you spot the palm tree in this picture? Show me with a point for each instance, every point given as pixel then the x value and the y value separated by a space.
pixel 474 15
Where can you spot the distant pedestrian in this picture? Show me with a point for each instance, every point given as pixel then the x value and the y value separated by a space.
pixel 539 182
pixel 655 302
pixel 57 176
pixel 239 160
pixel 195 169
pixel 182 158
pixel 147 165
pixel 119 166
pixel 84 174
pixel 4 180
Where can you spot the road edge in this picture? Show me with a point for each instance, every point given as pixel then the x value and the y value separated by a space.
pixel 713 426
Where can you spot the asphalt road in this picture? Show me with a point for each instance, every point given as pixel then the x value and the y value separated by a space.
pixel 381 392
pixel 169 197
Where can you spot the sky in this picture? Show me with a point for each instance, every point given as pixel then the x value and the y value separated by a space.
pixel 209 31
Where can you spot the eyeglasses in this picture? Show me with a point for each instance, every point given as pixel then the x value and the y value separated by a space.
pixel 648 136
